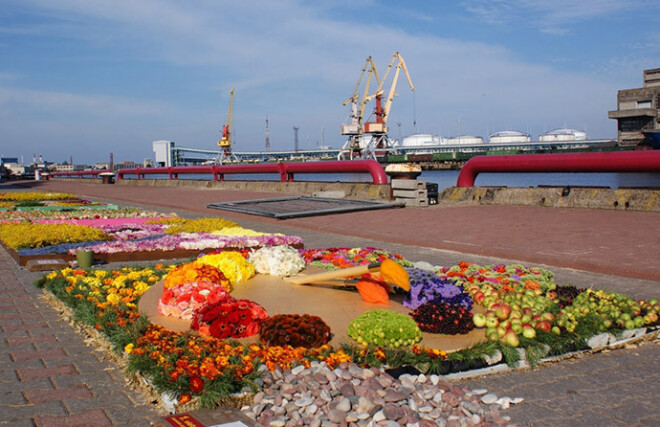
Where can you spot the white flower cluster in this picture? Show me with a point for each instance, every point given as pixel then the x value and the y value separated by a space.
pixel 280 260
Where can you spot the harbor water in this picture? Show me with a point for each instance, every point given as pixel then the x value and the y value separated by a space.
pixel 447 178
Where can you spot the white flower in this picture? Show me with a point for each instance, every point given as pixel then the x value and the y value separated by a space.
pixel 277 260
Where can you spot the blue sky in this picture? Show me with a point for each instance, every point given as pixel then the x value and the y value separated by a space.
pixel 86 78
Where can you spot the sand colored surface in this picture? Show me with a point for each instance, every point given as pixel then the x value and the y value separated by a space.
pixel 337 307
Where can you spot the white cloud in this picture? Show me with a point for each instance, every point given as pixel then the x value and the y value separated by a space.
pixel 60 104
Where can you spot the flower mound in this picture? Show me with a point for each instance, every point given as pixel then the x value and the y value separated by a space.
pixel 277 260
pixel 182 300
pixel 443 318
pixel 426 286
pixel 194 272
pixel 295 330
pixel 229 318
pixel 232 264
pixel 384 328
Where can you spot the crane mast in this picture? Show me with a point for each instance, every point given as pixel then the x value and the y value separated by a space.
pixel 225 141
pixel 355 126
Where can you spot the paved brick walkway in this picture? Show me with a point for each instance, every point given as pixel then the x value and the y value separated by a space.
pixel 50 377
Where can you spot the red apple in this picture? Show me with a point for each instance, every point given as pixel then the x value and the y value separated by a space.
pixel 544 325
pixel 503 311
pixel 511 338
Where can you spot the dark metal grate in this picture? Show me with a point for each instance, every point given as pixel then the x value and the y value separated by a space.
pixel 299 206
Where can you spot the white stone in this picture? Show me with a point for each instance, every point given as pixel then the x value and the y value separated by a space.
pixel 517 400
pixel 421 379
pixel 489 398
pixel 504 402
pixel 479 391
pixel 435 379
pixel 298 369
pixel 344 405
pixel 304 401
pixel 495 358
pixel 311 410
pixel 599 340
pixel 378 416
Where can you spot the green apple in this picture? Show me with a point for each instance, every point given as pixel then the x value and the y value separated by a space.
pixel 492 322
pixel 479 320
pixel 528 331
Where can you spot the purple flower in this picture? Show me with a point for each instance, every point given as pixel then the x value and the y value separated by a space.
pixel 426 286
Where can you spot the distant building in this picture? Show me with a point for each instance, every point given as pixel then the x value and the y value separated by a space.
pixel 638 109
pixel 69 168
pixel 163 152
pixel 4 160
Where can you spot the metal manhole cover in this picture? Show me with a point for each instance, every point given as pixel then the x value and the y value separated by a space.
pixel 299 206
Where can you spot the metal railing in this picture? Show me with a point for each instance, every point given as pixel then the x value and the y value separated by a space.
pixel 622 161
pixel 285 170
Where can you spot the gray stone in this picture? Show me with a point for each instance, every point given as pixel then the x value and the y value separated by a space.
pixel 393 412
pixel 336 416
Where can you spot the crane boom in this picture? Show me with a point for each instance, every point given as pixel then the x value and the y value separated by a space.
pixel 355 127
pixel 382 112
pixel 225 142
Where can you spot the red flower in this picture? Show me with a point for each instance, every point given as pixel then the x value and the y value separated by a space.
pixel 184 398
pixel 196 384
pixel 220 329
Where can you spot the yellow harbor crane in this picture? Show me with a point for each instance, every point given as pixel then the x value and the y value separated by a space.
pixel 355 125
pixel 225 142
pixel 365 139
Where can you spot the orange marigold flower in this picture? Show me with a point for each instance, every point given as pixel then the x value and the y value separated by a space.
pixel 184 398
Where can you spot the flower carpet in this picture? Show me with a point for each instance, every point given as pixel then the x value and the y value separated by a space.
pixel 114 234
pixel 233 329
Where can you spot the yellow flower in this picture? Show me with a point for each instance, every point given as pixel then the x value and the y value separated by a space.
pixel 128 348
pixel 113 299
pixel 232 264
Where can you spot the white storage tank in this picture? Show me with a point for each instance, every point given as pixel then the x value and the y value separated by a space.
pixel 465 140
pixel 420 140
pixel 509 136
pixel 559 135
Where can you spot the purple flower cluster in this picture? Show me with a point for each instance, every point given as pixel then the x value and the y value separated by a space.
pixel 129 231
pixel 195 241
pixel 426 286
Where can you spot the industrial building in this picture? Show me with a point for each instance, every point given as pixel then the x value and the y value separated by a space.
pixel 638 109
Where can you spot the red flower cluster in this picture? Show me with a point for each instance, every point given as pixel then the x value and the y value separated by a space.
pixel 229 318
pixel 295 330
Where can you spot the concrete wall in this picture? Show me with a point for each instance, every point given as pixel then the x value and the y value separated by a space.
pixel 560 197
pixel 361 190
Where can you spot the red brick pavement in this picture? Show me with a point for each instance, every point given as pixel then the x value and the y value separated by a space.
pixel 47 376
